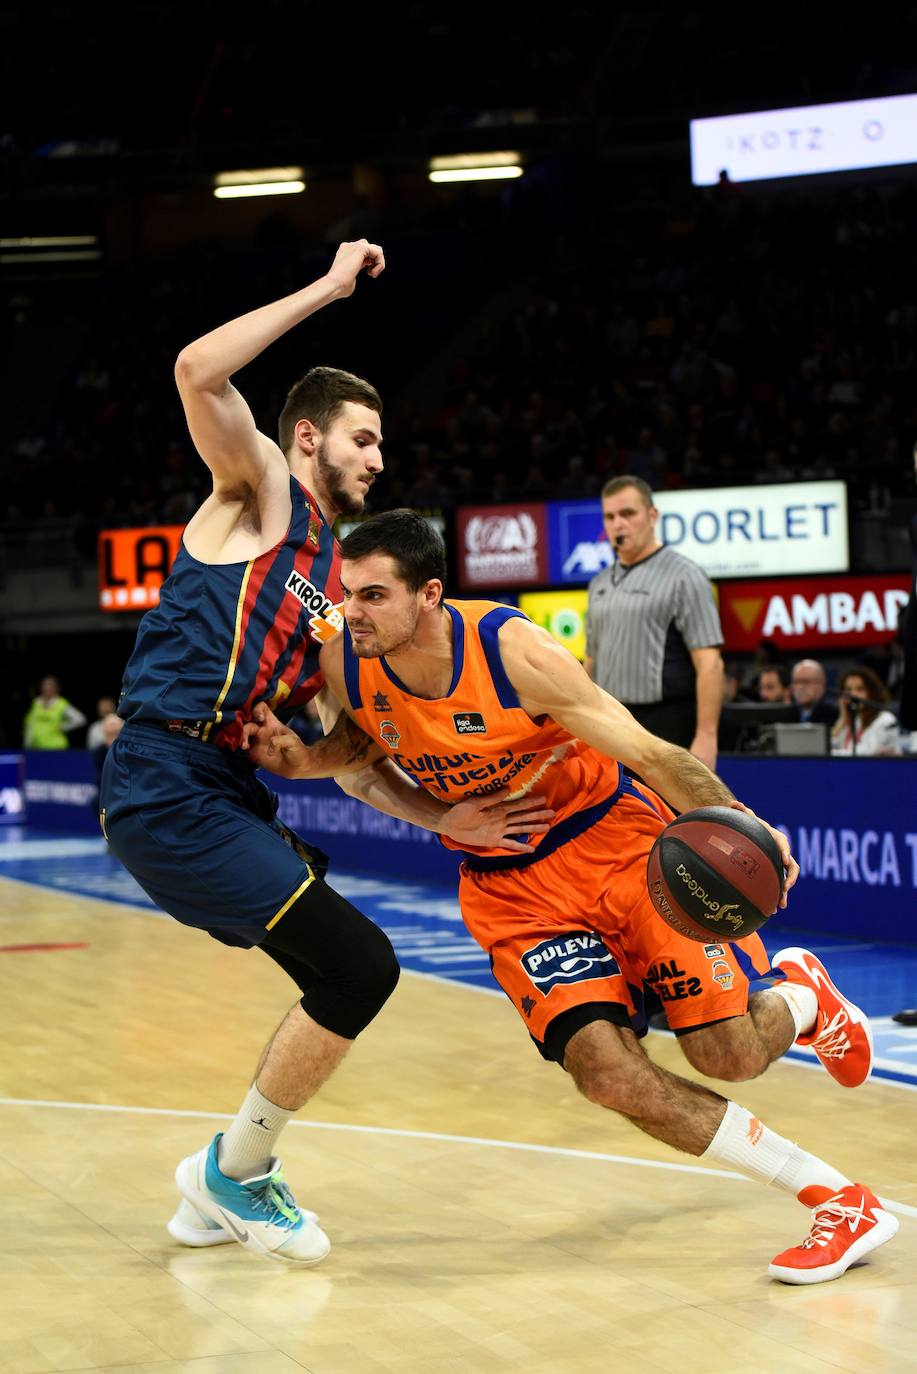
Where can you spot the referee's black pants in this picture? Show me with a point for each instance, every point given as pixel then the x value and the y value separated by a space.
pixel 675 721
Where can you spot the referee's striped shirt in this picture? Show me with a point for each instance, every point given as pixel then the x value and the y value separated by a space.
pixel 641 623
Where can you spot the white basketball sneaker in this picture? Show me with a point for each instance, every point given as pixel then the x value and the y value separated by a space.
pixel 260 1213
pixel 190 1227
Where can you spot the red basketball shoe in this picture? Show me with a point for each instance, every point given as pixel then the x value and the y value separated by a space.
pixel 844 1230
pixel 841 1037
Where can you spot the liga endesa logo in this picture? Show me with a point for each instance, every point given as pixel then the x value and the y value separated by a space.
pixel 812 612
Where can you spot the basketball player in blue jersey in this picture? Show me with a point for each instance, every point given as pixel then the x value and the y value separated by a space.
pixel 254 592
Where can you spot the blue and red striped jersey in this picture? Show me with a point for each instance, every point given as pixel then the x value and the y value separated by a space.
pixel 228 635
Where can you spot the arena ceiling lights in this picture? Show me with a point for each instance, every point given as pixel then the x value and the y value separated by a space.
pixel 50 248
pixel 475 167
pixel 259 181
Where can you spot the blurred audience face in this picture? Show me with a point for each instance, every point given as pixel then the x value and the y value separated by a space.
pixel 853 685
pixel 111 728
pixel 730 684
pixel 50 688
pixel 770 688
pixel 808 682
pixel 630 524
pixel 105 706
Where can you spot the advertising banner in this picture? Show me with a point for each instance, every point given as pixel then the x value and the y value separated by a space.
pixel 805 140
pixel 855 843
pixel 577 545
pixel 790 527
pixel 133 564
pixel 12 790
pixel 812 613
pixel 501 546
pixel 563 614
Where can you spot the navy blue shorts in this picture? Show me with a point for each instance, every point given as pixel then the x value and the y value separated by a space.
pixel 197 829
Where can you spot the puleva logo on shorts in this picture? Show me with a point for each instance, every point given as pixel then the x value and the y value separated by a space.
pixel 389 733
pixel 326 618
pixel 469 723
pixel 576 957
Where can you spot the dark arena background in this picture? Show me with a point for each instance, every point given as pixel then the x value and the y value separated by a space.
pixel 671 243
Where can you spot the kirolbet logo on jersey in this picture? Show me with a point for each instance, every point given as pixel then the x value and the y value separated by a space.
pixel 576 957
pixel 389 733
pixel 469 723
pixel 326 619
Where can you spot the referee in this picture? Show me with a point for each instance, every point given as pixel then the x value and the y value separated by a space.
pixel 653 629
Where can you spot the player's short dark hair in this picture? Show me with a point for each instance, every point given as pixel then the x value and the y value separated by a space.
pixel 319 396
pixel 417 549
pixel 616 484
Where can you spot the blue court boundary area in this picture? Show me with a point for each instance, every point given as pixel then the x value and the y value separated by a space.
pixel 422 919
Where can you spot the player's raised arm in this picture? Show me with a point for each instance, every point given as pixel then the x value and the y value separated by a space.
pixel 220 422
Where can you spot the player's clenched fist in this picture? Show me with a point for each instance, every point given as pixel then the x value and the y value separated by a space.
pixel 351 259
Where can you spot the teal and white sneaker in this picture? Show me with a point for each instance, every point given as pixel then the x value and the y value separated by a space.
pixel 190 1227
pixel 260 1213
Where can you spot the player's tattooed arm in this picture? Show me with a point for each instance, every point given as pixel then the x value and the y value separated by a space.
pixel 271 745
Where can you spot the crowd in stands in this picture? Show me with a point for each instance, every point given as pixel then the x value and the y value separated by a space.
pixel 723 338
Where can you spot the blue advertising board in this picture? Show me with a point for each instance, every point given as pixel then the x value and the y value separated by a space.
pixel 852 824
pixel 12 790
pixel 577 547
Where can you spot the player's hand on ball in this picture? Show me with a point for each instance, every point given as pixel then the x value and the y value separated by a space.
pixel 488 822
pixel 790 866
pixel 351 259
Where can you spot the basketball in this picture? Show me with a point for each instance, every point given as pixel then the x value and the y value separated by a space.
pixel 715 873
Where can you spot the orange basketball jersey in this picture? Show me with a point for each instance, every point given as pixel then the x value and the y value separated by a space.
pixel 477 739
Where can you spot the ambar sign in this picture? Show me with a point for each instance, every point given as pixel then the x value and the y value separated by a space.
pixel 133 564
pixel 803 613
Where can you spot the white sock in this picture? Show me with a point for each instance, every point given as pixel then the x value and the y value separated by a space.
pixel 248 1145
pixel 758 1152
pixel 803 1005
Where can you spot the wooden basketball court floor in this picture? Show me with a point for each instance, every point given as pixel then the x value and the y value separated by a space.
pixel 483 1218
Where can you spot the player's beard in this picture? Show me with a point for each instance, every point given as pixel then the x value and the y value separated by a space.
pixel 333 479
pixel 398 637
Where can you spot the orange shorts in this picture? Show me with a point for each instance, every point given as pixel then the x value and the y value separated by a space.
pixel 577 928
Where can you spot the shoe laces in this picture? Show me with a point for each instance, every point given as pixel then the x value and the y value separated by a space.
pixel 829 1216
pixel 274 1197
pixel 832 1041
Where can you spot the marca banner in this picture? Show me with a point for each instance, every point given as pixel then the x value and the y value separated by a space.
pixel 501 546
pixel 563 614
pixel 854 840
pixel 133 564
pixel 812 613
pixel 804 140
pixel 790 527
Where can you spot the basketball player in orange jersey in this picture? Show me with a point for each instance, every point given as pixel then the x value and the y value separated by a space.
pixel 470 698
